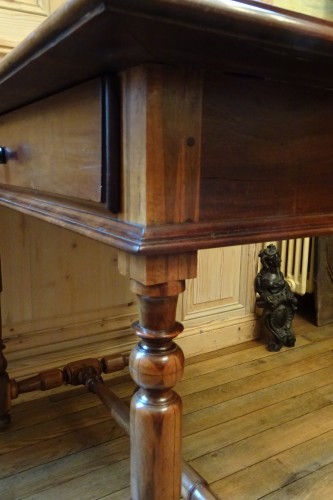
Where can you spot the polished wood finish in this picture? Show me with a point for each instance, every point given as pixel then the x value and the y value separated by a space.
pixel 191 64
pixel 279 128
pixel 36 136
pixel 73 373
pixel 164 146
pixel 114 362
pixel 156 365
pixel 88 372
pixel 194 487
pixel 48 379
pixel 212 101
pixel 221 33
pixel 151 269
pixel 119 410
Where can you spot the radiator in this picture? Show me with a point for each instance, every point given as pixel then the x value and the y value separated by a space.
pixel 297 264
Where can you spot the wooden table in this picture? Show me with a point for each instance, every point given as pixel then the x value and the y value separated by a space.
pixel 162 127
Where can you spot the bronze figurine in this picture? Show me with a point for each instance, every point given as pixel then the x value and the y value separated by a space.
pixel 276 298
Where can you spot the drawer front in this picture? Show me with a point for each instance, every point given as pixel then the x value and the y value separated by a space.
pixel 55 145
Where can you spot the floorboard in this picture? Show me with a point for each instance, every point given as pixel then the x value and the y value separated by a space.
pixel 256 425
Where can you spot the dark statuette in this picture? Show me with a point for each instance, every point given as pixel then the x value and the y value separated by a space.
pixel 276 298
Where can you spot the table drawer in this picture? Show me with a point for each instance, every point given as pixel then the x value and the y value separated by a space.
pixel 55 145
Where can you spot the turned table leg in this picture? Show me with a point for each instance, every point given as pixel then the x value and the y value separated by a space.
pixel 156 364
pixel 4 380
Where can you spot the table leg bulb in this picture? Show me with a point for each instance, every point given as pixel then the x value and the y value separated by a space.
pixel 156 365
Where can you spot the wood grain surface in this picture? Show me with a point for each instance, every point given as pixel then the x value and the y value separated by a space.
pixel 55 145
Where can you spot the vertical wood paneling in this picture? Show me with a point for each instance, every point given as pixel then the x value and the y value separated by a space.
pixel 54 277
pixel 219 275
pixel 16 270
pixel 224 283
pixel 72 274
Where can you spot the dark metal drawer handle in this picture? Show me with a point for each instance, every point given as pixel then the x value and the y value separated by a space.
pixel 3 155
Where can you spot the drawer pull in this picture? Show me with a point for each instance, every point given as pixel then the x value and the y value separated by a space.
pixel 3 155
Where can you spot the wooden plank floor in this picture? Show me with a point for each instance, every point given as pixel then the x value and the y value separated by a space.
pixel 256 425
